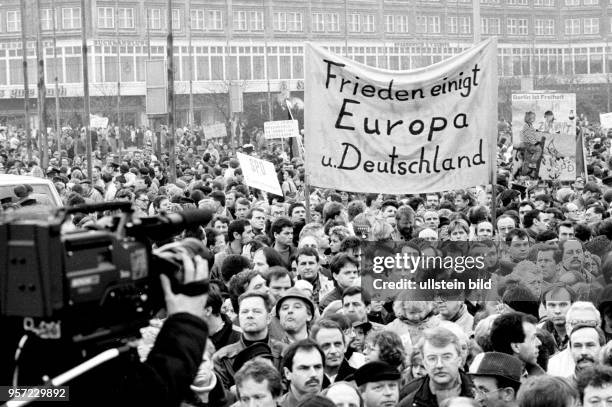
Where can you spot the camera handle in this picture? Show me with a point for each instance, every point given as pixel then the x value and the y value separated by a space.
pixel 77 371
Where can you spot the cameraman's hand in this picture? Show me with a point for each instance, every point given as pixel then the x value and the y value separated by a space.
pixel 195 269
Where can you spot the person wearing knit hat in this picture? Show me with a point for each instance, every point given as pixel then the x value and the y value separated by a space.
pixel 378 383
pixel 497 378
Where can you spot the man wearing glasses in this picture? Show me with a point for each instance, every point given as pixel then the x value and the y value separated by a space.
pixel 441 352
pixel 497 379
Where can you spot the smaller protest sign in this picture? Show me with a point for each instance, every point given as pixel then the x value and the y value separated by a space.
pixel 98 122
pixel 217 130
pixel 281 129
pixel 605 120
pixel 259 174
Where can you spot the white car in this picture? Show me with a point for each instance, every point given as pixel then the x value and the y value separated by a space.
pixel 44 190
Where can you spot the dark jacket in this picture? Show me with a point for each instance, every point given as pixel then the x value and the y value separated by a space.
pixel 225 357
pixel 418 394
pixel 162 380
pixel 345 373
pixel 227 335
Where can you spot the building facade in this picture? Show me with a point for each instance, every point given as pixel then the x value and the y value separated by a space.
pixel 259 44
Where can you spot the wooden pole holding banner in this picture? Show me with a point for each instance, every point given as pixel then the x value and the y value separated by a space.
pixel 26 93
pixel 306 184
pixel 86 106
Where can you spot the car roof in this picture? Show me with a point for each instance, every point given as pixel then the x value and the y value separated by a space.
pixel 10 179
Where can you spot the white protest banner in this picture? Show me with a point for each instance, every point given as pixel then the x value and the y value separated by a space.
pixel 259 174
pixel 549 116
pixel 605 120
pixel 98 122
pixel 218 130
pixel 281 129
pixel 374 130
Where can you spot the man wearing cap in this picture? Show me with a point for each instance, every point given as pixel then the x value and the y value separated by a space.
pixel 91 195
pixel 295 310
pixel 379 384
pixel 441 350
pixel 497 378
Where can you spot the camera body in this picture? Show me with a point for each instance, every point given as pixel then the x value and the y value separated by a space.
pixel 96 285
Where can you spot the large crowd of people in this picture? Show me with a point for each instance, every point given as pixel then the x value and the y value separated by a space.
pixel 290 322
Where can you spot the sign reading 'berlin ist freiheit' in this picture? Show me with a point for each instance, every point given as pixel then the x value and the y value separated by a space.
pixel 374 130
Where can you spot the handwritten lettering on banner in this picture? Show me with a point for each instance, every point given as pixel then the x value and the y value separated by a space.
pixel 259 174
pixel 281 129
pixel 374 130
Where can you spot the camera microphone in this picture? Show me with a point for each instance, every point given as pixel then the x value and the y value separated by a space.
pixel 163 227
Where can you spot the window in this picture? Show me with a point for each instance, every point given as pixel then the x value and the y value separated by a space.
pixel 591 2
pixel 389 23
pixel 294 22
pixel 332 22
pixel 489 1
pixel 13 21
pixel 401 24
pixel 176 19
pixel 544 3
pixel 451 25
pixel 572 26
pixel 239 20
pixel 155 19
pixel 433 24
pixel 71 18
pixel 421 24
pixel 490 26
pixel 591 25
pixel 544 26
pixel 279 21
pixel 197 20
pixel 106 17
pixel 354 23
pixel 517 26
pixel 256 21
pixel 369 25
pixel 318 22
pixel 46 19
pixel 572 2
pixel 126 18
pixel 517 2
pixel 465 25
pixel 215 20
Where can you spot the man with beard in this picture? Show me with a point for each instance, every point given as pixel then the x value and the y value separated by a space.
pixel 295 311
pixel 303 365
pixel 254 316
pixel 442 360
pixel 404 222
pixel 379 384
pixel 557 301
pixel 330 338
pixel 514 333
pixel 585 345
pixel 579 313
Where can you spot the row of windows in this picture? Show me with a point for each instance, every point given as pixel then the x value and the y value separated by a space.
pixel 217 63
pixel 69 18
